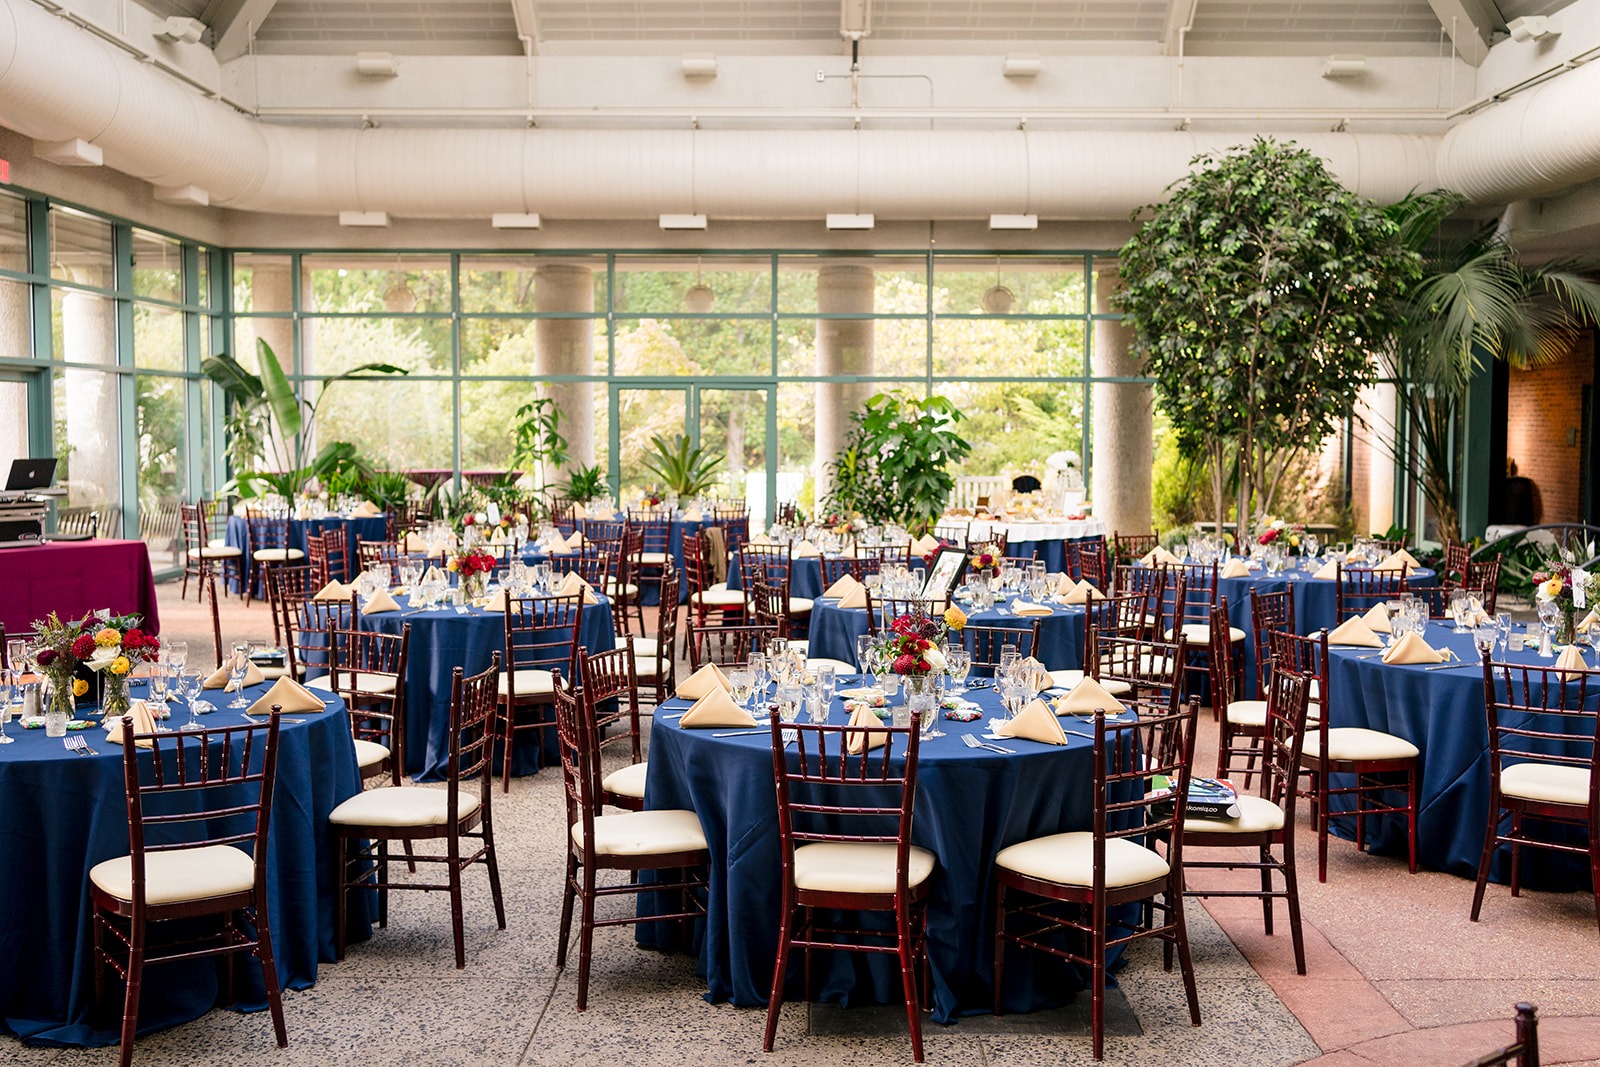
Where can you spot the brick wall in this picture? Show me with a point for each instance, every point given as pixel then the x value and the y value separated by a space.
pixel 1545 414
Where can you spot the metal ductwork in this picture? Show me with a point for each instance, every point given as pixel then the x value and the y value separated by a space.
pixel 59 83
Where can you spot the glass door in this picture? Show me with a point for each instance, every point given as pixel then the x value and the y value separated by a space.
pixel 639 414
pixel 737 422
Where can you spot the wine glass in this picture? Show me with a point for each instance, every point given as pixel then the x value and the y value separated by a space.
pixel 1549 615
pixel 958 661
pixel 159 671
pixel 17 655
pixel 817 700
pixel 238 667
pixel 743 683
pixel 777 647
pixel 193 684
pixel 177 654
pixel 790 698
pixel 1312 545
pixel 1502 624
pixel 1460 604
pixel 1484 635
pixel 760 672
pixel 7 684
pixel 864 653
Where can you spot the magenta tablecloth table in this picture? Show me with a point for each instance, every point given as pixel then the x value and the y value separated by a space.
pixel 73 578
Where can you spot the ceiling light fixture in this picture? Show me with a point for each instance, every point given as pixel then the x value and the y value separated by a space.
pixel 1344 67
pixel 699 67
pixel 399 299
pixel 997 299
pixel 1013 222
pixel 1533 28
pixel 1022 67
pixel 377 65
pixel 699 298
pixel 843 221
pixel 510 220
pixel 683 222
pixel 180 30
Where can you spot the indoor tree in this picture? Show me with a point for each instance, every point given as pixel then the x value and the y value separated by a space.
pixel 1473 300
pixel 896 464
pixel 1255 293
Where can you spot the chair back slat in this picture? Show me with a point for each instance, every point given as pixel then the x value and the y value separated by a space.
pixel 1544 715
pixel 362 659
pixel 1269 612
pixel 1357 591
pixel 1153 670
pixel 728 646
pixel 831 789
pixel 472 711
pixel 986 643
pixel 1159 741
pixel 542 633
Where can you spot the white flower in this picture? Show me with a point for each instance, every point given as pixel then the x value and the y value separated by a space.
pixel 103 657
pixel 935 659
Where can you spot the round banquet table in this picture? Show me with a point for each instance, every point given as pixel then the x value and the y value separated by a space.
pixel 65 813
pixel 1044 539
pixel 970 804
pixel 805 576
pixel 834 630
pixel 1441 712
pixel 444 638
pixel 374 528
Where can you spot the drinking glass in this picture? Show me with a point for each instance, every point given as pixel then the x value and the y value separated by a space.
pixel 193 684
pixel 238 666
pixel 760 672
pixel 743 683
pixel 790 698
pixel 1502 625
pixel 1008 662
pixel 1549 615
pixel 7 684
pixel 158 684
pixel 17 654
pixel 958 661
pixel 1312 545
pixel 817 700
pixel 1012 697
pixel 1483 635
pixel 1460 604
pixel 178 655
pixel 864 653
pixel 777 647
pixel 827 683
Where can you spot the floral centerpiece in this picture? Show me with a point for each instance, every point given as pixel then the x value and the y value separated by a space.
pixel 58 659
pixel 112 649
pixel 929 557
pixel 474 567
pixel 1268 530
pixel 1560 581
pixel 911 647
pixel 985 559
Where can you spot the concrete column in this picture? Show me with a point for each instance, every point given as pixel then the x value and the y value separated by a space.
pixel 272 290
pixel 566 346
pixel 16 342
pixel 89 335
pixel 1376 409
pixel 1123 422
pixel 844 346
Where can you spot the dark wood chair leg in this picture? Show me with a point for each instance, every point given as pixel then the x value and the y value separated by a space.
pixel 780 971
pixel 585 936
pixel 567 892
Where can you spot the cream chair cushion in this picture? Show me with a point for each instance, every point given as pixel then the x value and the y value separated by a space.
pixel 839 666
pixel 719 596
pixel 1199 633
pixel 370 753
pixel 643 833
pixel 1551 782
pixel 276 555
pixel 283 671
pixel 628 589
pixel 1068 859
pixel 642 646
pixel 402 807
pixel 531 682
pixel 366 683
pixel 1357 743
pixel 799 605
pixel 647 667
pixel 1067 679
pixel 1248 713
pixel 1257 815
pixel 856 867
pixel 627 782
pixel 173 877
pixel 650 559
pixel 216 552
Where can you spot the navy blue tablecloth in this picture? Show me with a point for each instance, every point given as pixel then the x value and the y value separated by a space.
pixel 970 804
pixel 805 576
pixel 369 529
pixel 834 631
pixel 1442 713
pixel 64 813
pixel 443 639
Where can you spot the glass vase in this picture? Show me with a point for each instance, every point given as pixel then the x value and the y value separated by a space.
pixel 1567 624
pixel 114 700
pixel 59 709
pixel 474 586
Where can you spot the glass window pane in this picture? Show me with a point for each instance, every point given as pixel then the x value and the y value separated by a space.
pixel 984 348
pixel 643 414
pixel 1015 285
pixel 733 425
pixel 694 347
pixel 157 267
pixel 16 320
pixel 336 345
pixel 508 346
pixel 396 425
pixel 161 466
pixel 261 283
pixel 672 285
pixel 13 421
pixel 900 284
pixel 203 278
pixel 13 233
pixel 80 248
pixel 491 407
pixel 88 430
pixel 157 337
pixel 512 283
pixel 1013 426
pixel 397 285
pixel 84 327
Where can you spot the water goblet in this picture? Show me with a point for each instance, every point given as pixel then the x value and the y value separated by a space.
pixel 1549 615
pixel 743 683
pixel 1502 625
pixel 1460 604
pixel 1008 661
pixel 777 647
pixel 864 653
pixel 159 672
pixel 7 684
pixel 193 684
pixel 760 672
pixel 958 661
pixel 238 667
pixel 177 654
pixel 17 654
pixel 790 697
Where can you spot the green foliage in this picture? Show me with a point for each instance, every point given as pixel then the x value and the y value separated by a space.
pixel 1255 293
pixel 387 489
pixel 1472 300
pixel 585 484
pixel 684 471
pixel 896 462
pixel 1176 485
pixel 536 436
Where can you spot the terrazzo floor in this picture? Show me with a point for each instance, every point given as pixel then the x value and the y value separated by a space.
pixel 1397 976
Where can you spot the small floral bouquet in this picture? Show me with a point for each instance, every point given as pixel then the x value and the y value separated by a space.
pixel 912 644
pixel 113 649
pixel 1561 581
pixel 929 557
pixel 57 658
pixel 985 559
pixel 1268 530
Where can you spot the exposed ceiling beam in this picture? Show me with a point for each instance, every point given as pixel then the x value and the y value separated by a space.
pixel 1180 16
pixel 234 22
pixel 1469 24
pixel 527 24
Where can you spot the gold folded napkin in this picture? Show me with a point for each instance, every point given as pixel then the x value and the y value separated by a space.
pixel 366 510
pixel 576 541
pixel 858 741
pixel 1023 607
pixel 924 544
pixel 805 550
pixel 288 694
pixel 1235 568
pixel 219 680
pixel 716 708
pixel 1413 649
pixel 702 682
pixel 1475 613
pixel 499 536
pixel 381 602
pixel 1589 622
pixel 1078 592
pixel 1377 619
pixel 1036 722
pixel 694 515
pixel 433 574
pixel 843 588
pixel 1570 661
pixel 761 539
pixel 1354 632
pixel 496 601
pixel 415 543
pixel 1395 560
pixel 1158 555
pixel 856 598
pixel 143 723
pixel 334 590
pixel 1329 571
pixel 1086 696
pixel 579 511
pixel 558 547
pixel 573 585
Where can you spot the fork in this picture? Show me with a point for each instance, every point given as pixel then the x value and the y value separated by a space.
pixel 971 741
pixel 83 745
pixel 74 745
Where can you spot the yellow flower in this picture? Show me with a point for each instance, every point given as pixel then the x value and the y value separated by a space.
pixel 120 665
pixel 954 617
pixel 1552 588
pixel 107 637
pixel 79 687
pixel 450 566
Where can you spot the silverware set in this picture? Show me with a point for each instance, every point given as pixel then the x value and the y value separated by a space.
pixel 973 741
pixel 78 746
